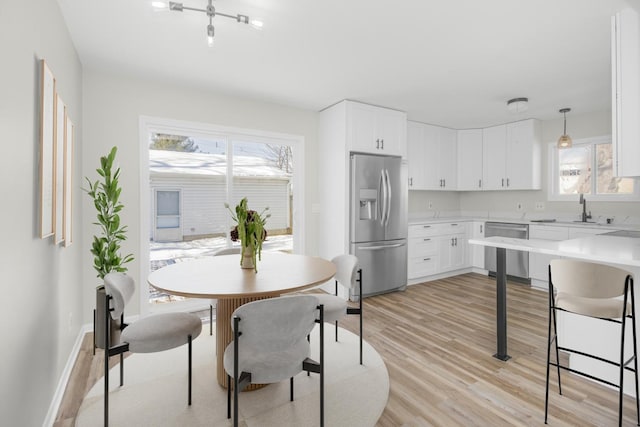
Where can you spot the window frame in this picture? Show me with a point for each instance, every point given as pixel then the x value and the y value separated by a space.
pixel 148 125
pixel 553 175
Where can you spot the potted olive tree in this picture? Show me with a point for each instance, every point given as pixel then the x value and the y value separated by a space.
pixel 105 247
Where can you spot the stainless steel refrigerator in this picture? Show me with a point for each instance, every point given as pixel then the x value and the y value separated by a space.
pixel 378 223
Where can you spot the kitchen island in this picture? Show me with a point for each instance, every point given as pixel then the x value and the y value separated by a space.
pixel 620 251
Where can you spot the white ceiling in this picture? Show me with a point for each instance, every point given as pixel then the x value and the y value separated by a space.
pixel 449 62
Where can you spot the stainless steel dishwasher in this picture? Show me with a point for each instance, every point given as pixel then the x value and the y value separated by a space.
pixel 517 261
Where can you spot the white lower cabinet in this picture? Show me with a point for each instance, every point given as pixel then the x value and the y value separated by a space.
pixel 539 263
pixel 436 248
pixel 477 251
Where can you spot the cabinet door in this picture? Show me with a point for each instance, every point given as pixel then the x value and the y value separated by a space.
pixel 391 130
pixel 477 251
pixel 445 252
pixel 448 163
pixel 494 156
pixel 459 251
pixel 361 122
pixel 523 155
pixel 470 159
pixel 431 166
pixel 625 89
pixel 416 155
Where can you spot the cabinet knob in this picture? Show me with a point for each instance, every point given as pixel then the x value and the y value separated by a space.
pixel 479 183
pixel 426 240
pixel 378 143
pixel 426 259
pixel 382 143
pixel 502 182
pixel 507 182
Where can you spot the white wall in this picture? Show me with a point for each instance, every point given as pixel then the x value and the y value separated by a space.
pixel 40 309
pixel 578 126
pixel 113 105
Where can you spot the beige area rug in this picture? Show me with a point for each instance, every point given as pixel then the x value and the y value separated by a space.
pixel 155 390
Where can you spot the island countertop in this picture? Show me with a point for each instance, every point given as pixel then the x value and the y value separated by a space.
pixel 617 250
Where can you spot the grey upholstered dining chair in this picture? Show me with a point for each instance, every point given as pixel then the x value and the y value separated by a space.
pixel 336 307
pixel 270 345
pixel 148 335
pixel 597 291
pixel 213 302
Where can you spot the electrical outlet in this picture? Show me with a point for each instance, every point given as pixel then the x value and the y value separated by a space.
pixel 539 206
pixel 430 204
pixel 519 206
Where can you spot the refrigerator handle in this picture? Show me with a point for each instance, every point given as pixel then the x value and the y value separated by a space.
pixel 383 198
pixel 386 172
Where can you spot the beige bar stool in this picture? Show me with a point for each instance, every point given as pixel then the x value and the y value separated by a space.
pixel 597 291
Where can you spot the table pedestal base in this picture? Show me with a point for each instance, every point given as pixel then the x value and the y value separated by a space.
pixel 224 335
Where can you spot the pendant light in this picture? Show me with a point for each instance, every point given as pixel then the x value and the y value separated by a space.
pixel 565 140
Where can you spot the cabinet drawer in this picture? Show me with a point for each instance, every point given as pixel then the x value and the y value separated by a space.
pixel 419 246
pixel 422 266
pixel 419 230
pixel 546 232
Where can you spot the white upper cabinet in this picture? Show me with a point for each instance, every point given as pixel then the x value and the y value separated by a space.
pixel 524 140
pixel 625 89
pixel 511 156
pixel 376 130
pixel 470 160
pixel 416 155
pixel 432 157
pixel 494 157
pixel 448 158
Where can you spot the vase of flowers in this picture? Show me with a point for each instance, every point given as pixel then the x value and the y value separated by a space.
pixel 250 231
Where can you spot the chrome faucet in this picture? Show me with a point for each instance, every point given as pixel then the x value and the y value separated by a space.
pixel 583 202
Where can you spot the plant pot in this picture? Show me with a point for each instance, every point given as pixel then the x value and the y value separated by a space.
pixel 99 322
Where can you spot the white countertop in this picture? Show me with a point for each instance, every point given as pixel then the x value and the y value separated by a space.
pixel 617 250
pixel 416 220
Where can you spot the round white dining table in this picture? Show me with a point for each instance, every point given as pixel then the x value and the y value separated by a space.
pixel 222 278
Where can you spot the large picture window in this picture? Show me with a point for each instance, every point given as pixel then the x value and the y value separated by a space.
pixel 587 168
pixel 190 171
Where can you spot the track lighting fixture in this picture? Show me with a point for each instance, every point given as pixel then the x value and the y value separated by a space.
pixel 211 13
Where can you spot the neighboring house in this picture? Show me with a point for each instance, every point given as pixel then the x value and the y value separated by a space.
pixel 188 192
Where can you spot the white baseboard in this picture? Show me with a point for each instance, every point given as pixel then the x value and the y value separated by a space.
pixel 54 407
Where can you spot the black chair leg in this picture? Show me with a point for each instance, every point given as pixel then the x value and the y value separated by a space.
pixel 236 369
pixel 546 396
pixel 228 396
pixel 190 354
pixel 635 348
pixel 291 388
pixel 555 340
pixel 321 366
pixel 360 311
pixel 121 369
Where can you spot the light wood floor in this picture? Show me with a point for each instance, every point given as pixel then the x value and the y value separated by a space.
pixel 437 339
